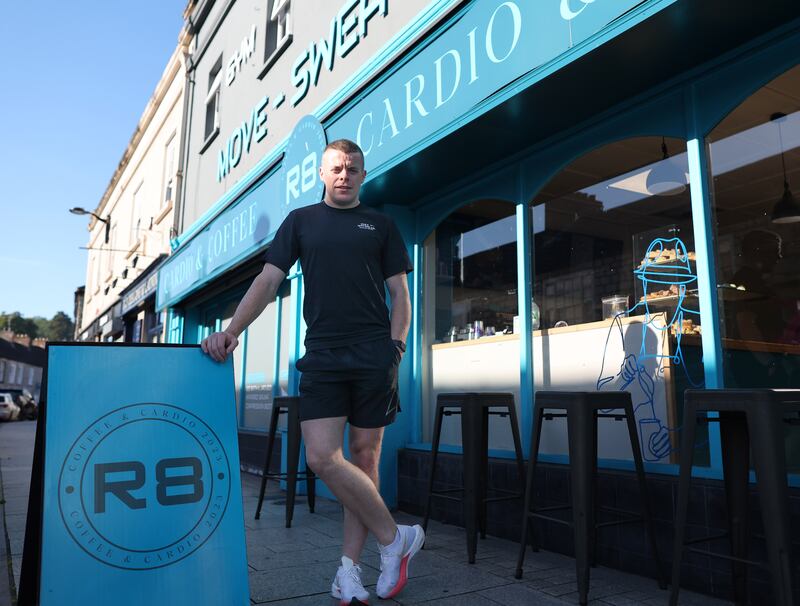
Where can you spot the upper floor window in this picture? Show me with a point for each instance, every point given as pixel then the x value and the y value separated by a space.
pixel 97 262
pixel 136 210
pixel 212 100
pixel 111 249
pixel 278 31
pixel 169 172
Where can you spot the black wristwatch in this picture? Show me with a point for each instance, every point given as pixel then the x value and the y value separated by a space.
pixel 400 345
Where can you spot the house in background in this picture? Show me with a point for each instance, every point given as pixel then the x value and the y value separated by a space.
pixel 129 229
pixel 22 361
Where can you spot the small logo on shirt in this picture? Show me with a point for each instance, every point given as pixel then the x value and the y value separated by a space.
pixel 366 226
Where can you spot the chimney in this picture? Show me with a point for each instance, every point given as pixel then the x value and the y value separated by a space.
pixel 39 342
pixel 22 340
pixel 7 335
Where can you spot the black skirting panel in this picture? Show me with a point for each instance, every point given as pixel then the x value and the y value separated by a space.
pixel 622 547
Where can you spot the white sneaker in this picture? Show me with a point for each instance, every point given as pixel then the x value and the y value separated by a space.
pixel 347 584
pixel 395 559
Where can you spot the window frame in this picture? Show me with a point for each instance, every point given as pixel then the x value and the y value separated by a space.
pixel 215 93
pixel 170 173
pixel 283 39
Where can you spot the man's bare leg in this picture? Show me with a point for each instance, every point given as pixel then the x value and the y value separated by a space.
pixel 365 453
pixel 351 486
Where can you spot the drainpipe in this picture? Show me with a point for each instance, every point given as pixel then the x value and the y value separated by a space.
pixel 186 122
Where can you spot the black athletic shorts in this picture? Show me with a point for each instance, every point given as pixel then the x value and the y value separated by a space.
pixel 355 381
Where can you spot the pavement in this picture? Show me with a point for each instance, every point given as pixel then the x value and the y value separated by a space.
pixel 294 566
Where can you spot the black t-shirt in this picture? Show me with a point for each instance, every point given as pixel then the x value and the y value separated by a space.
pixel 346 255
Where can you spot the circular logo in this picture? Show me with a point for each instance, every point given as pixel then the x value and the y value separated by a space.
pixel 144 486
pixel 301 161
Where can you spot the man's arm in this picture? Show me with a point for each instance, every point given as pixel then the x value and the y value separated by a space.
pixel 260 294
pixel 401 306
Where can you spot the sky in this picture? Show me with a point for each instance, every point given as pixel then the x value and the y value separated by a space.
pixel 74 82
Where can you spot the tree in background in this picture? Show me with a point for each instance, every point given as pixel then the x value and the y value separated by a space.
pixel 59 328
pixel 42 325
pixel 17 323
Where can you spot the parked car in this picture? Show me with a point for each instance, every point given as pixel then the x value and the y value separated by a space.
pixel 9 411
pixel 24 399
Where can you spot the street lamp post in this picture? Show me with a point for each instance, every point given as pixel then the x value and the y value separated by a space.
pixel 82 211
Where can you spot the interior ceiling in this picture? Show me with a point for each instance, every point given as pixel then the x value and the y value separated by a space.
pixel 747 193
pixel 780 95
pixel 607 162
pixel 752 190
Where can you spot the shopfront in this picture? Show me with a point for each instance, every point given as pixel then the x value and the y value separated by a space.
pixel 595 195
pixel 142 323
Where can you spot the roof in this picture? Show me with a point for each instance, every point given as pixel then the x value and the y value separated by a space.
pixel 35 356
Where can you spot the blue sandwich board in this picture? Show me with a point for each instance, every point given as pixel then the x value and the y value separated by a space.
pixel 138 496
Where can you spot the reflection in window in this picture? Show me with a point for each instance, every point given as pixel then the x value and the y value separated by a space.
pixel 615 289
pixel 212 99
pixel 278 31
pixel 238 354
pixel 755 162
pixel 287 328
pixel 470 300
pixel 476 272
pixel 260 370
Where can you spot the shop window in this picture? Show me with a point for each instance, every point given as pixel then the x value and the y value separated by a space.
pixel 136 331
pixel 175 327
pixel 212 100
pixel 228 309
pixel 287 330
pixel 2 370
pixel 155 324
pixel 470 283
pixel 755 162
pixel 278 29
pixel 615 298
pixel 260 371
pixel 30 376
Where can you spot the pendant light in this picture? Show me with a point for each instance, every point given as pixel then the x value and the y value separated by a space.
pixel 666 179
pixel 786 210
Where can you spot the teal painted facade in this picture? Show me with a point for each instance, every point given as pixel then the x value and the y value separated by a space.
pixel 686 104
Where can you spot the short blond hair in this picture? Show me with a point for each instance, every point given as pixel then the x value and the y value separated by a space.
pixel 346 146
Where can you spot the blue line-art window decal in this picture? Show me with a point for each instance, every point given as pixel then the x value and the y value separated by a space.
pixel 666 263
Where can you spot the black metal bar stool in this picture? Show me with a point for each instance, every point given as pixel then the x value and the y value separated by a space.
pixel 288 406
pixel 475 409
pixel 582 410
pixel 750 421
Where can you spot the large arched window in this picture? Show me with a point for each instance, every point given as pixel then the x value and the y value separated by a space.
pixel 755 162
pixel 470 301
pixel 615 299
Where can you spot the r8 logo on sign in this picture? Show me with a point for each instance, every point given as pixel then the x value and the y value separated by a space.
pixel 144 486
pixel 301 178
pixel 301 161
pixel 122 488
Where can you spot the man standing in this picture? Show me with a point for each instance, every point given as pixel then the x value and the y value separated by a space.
pixel 348 254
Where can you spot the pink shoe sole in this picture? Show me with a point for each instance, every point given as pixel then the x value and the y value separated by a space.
pixel 401 582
